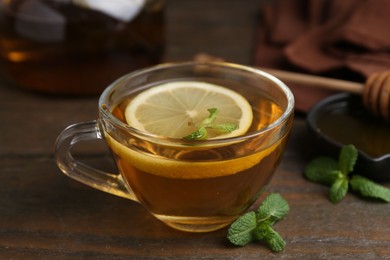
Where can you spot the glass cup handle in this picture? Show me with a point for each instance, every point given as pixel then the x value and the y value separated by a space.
pixel 107 182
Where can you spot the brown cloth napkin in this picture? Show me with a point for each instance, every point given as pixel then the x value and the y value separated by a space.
pixel 348 39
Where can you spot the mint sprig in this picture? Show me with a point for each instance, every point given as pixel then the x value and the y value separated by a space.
pixel 328 171
pixel 208 123
pixel 258 226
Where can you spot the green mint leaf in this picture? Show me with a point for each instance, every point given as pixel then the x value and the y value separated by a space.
pixel 260 231
pixel 368 188
pixel 211 118
pixel 338 190
pixel 322 170
pixel 273 208
pixel 240 232
pixel 225 127
pixel 347 159
pixel 198 134
pixel 265 232
pixel 201 132
pixel 274 240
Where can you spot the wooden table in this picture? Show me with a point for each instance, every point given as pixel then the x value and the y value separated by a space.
pixel 46 215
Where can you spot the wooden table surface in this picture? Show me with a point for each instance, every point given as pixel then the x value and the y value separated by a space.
pixel 46 215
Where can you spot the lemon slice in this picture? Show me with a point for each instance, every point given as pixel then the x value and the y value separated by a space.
pixel 181 169
pixel 175 109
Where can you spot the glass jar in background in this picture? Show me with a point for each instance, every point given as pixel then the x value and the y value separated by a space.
pixel 77 47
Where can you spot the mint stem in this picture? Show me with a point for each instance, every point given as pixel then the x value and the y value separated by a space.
pixel 201 132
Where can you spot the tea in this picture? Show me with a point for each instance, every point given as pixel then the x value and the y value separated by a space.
pixel 65 47
pixel 197 185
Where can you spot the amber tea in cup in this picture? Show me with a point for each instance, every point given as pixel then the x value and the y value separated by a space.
pixel 191 185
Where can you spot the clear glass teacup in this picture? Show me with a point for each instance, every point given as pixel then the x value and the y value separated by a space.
pixel 190 185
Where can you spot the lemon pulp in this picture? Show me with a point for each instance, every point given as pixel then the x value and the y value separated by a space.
pixel 175 109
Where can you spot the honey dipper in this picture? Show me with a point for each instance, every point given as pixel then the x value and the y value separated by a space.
pixel 375 91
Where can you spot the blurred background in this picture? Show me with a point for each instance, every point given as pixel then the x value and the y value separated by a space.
pixel 78 47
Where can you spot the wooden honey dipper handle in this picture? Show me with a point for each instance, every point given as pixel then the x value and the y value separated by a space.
pixel 375 92
pixel 299 78
pixel 316 81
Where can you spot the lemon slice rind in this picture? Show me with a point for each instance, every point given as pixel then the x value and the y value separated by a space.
pixel 172 168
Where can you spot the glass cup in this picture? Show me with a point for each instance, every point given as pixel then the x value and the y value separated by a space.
pixel 191 185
